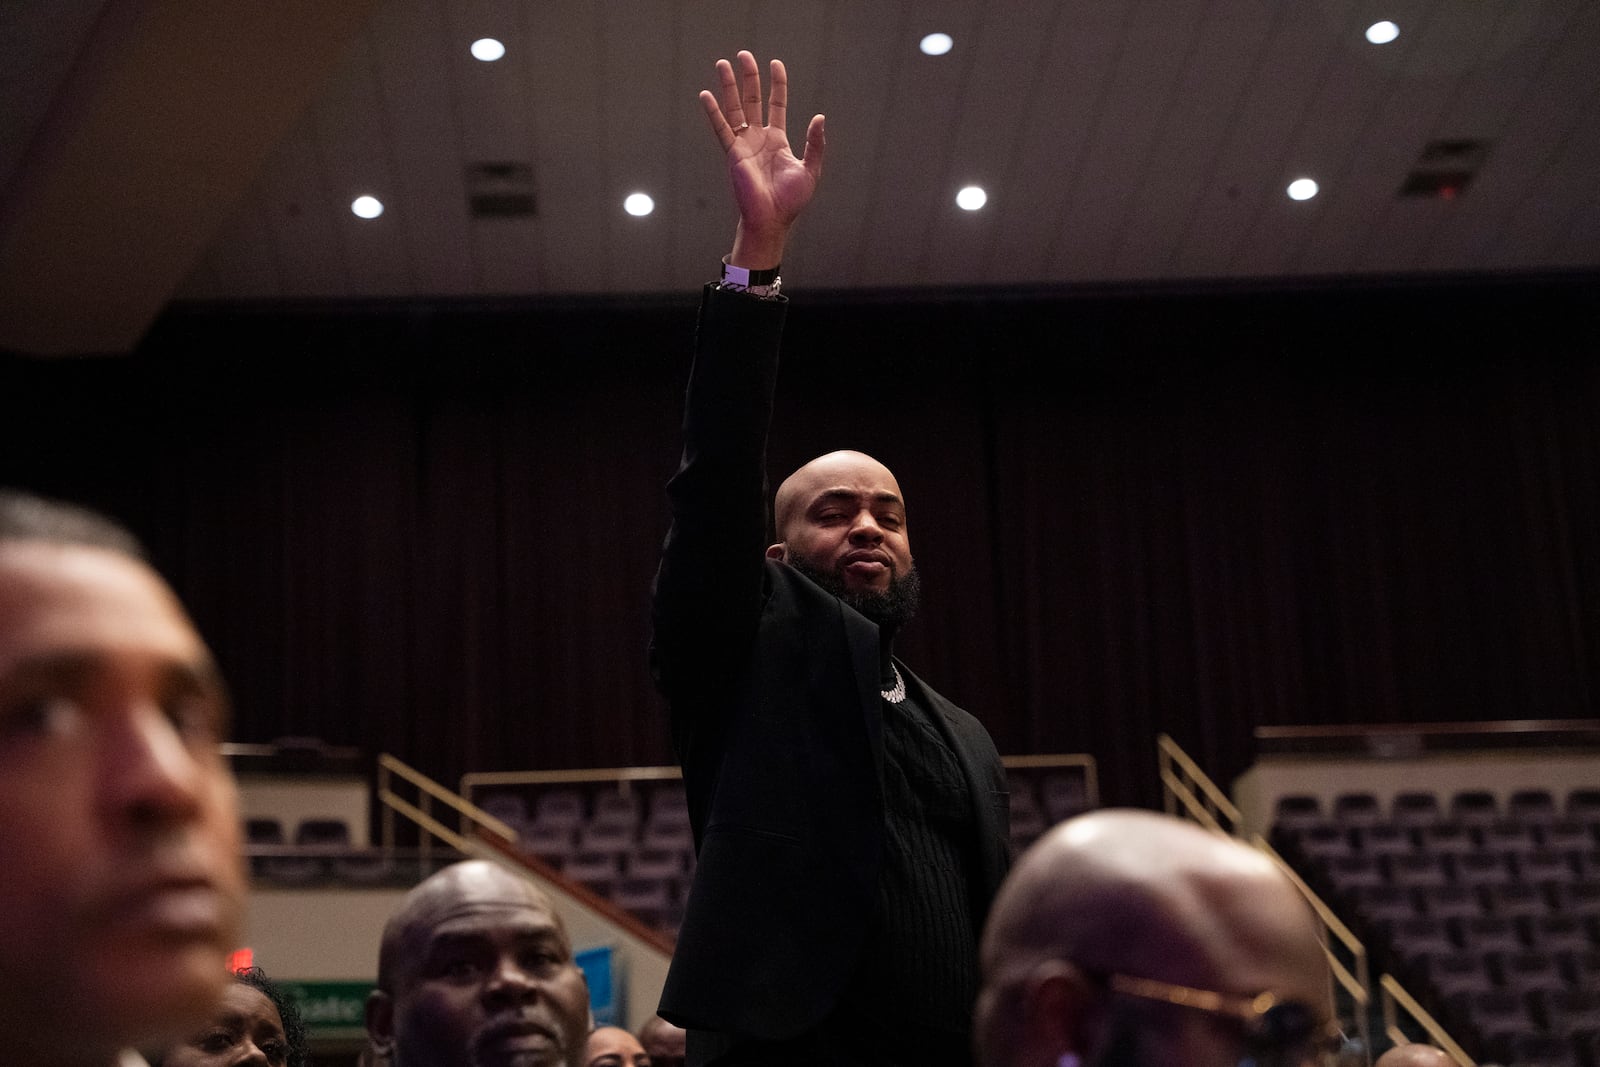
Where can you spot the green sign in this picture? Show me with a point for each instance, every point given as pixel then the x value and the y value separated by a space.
pixel 331 1009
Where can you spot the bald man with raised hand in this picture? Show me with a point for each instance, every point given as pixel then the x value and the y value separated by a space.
pixel 850 822
pixel 121 878
pixel 476 970
pixel 1130 938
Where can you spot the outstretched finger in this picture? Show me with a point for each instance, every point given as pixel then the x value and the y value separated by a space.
pixel 778 96
pixel 816 143
pixel 749 90
pixel 732 106
pixel 719 125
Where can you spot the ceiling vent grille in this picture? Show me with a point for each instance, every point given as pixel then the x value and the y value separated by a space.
pixel 1445 168
pixel 501 191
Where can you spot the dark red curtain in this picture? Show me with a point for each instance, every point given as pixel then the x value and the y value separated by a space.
pixel 429 529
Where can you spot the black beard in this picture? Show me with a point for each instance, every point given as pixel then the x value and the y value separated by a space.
pixel 890 609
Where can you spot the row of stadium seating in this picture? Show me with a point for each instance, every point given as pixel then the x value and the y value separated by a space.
pixel 1488 912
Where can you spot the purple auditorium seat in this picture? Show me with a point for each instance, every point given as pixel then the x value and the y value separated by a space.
pixel 1063 796
pixel 649 898
pixel 1453 973
pixel 1452 901
pixel 1530 970
pixel 1415 809
pixel 1322 843
pixel 1417 870
pixel 1496 1015
pixel 615 808
pixel 656 863
pixel 1531 806
pixel 1568 1011
pixel 1474 807
pixel 553 844
pixel 1028 819
pixel 1582 968
pixel 1489 933
pixel 1296 812
pixel 510 808
pixel 1356 809
pixel 1349 872
pixel 660 835
pixel 597 870
pixel 668 803
pixel 1583 805
pixel 1512 837
pixel 1386 839
pixel 561 806
pixel 1559 933
pixel 1380 904
pixel 1567 835
pixel 615 838
pixel 1588 863
pixel 1420 936
pixel 1541 1050
pixel 1482 868
pixel 1513 901
pixel 1446 839
pixel 1577 898
pixel 1545 865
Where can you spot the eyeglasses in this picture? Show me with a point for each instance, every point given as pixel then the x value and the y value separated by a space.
pixel 1276 1033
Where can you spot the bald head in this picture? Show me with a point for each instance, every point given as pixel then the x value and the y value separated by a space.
pixel 836 470
pixel 460 889
pixel 476 968
pixel 1144 895
pixel 1416 1054
pixel 666 1043
pixel 612 1046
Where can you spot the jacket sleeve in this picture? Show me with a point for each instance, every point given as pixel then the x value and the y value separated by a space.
pixel 708 590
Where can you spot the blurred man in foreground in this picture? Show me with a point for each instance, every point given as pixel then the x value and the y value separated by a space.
pixel 121 885
pixel 1126 938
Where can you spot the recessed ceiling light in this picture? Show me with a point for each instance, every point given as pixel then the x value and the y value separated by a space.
pixel 638 205
pixel 971 198
pixel 487 49
pixel 1302 189
pixel 1382 32
pixel 367 207
pixel 936 44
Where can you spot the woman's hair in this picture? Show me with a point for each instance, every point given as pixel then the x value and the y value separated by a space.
pixel 294 1027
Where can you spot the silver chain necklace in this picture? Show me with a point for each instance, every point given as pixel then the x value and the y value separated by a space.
pixel 896 693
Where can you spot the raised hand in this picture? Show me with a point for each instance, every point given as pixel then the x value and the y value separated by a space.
pixel 771 187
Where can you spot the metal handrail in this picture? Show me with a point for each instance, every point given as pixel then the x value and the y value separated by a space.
pixel 1180 790
pixel 1394 992
pixel 422 814
pixel 624 776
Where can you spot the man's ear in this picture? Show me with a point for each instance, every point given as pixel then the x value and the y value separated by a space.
pixel 380 1023
pixel 1064 1014
pixel 777 551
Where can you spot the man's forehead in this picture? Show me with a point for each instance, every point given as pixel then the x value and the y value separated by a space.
pixel 74 601
pixel 842 474
pixel 506 912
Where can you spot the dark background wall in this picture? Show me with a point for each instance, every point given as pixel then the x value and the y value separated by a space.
pixel 430 529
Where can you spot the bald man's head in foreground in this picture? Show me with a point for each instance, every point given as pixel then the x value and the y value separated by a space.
pixel 476 971
pixel 1416 1054
pixel 1128 938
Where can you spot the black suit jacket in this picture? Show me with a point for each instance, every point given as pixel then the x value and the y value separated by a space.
pixel 776 717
